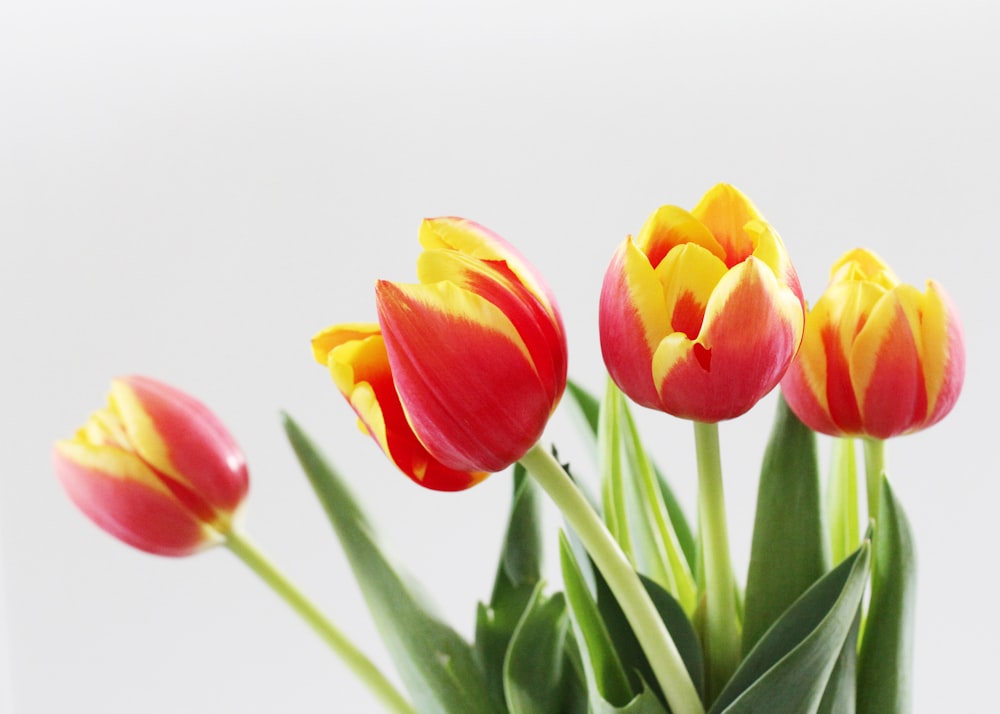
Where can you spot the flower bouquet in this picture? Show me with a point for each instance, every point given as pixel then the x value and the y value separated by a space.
pixel 701 315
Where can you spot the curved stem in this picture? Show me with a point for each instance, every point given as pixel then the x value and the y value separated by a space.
pixel 621 578
pixel 722 641
pixel 358 663
pixel 874 470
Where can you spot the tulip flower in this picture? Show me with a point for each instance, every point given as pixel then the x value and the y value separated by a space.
pixel 701 313
pixel 461 373
pixel 155 468
pixel 879 358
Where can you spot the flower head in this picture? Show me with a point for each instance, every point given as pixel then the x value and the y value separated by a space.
pixel 879 358
pixel 155 468
pixel 701 312
pixel 463 370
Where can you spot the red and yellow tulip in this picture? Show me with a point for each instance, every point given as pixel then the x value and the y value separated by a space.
pixel 701 313
pixel 155 468
pixel 879 358
pixel 462 371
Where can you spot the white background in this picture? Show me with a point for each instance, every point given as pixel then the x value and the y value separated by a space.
pixel 190 190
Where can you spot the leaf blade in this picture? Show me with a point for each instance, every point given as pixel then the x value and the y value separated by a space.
pixel 437 666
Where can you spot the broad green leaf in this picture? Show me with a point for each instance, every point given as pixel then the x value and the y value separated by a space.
pixel 539 677
pixel 651 511
pixel 614 498
pixel 788 670
pixel 589 405
pixel 884 663
pixel 841 690
pixel 788 552
pixel 656 538
pixel 685 535
pixel 623 640
pixel 518 575
pixel 437 666
pixel 608 685
pixel 681 631
pixel 606 677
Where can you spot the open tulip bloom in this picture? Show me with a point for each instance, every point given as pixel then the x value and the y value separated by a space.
pixel 701 315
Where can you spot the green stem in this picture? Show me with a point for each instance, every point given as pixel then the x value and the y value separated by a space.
pixel 655 640
pixel 722 641
pixel 844 524
pixel 874 470
pixel 362 667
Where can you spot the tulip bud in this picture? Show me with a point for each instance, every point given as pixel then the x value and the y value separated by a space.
pixel 155 468
pixel 701 313
pixel 464 369
pixel 878 358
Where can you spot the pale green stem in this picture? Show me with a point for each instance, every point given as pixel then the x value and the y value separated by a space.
pixel 358 663
pixel 844 523
pixel 722 645
pixel 655 640
pixel 874 470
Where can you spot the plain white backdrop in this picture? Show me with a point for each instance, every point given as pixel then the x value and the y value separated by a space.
pixel 190 190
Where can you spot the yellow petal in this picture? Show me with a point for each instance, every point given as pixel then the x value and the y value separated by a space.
pixel 725 211
pixel 671 226
pixel 688 275
pixel 325 341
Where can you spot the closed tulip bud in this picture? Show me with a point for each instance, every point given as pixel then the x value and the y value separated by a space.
pixel 155 468
pixel 463 370
pixel 701 313
pixel 879 358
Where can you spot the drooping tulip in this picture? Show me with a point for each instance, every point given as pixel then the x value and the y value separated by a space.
pixel 701 313
pixel 879 358
pixel 461 373
pixel 155 468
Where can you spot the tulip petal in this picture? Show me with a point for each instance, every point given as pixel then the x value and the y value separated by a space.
pixel 751 329
pixel 862 264
pixel 725 211
pixel 538 328
pixel 122 495
pixel 688 274
pixel 671 226
pixel 470 388
pixel 837 318
pixel 769 248
pixel 358 361
pixel 804 385
pixel 178 436
pixel 943 352
pixel 477 241
pixel 633 321
pixel 885 365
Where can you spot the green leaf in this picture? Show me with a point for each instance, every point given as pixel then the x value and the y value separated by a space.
pixel 623 643
pixel 788 670
pixel 658 533
pixel 685 536
pixel 437 666
pixel 606 678
pixel 539 677
pixel 788 552
pixel 884 663
pixel 589 405
pixel 681 631
pixel 518 575
pixel 590 408
pixel 841 691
